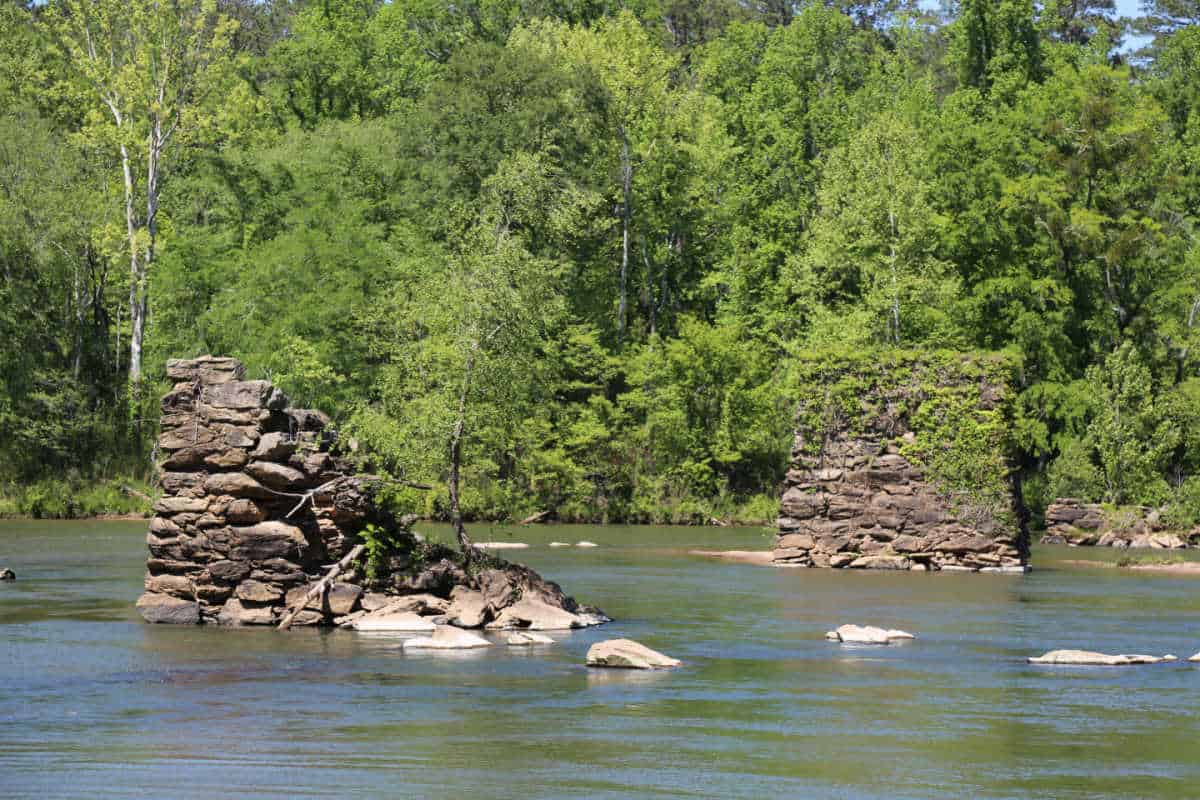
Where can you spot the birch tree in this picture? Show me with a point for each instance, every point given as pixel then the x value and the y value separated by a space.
pixel 141 70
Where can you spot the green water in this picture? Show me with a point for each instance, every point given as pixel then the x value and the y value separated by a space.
pixel 95 703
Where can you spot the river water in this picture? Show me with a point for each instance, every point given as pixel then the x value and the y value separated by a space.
pixel 95 703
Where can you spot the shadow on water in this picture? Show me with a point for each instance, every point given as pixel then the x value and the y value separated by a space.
pixel 94 702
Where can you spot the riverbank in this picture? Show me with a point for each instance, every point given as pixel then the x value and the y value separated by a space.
pixel 116 498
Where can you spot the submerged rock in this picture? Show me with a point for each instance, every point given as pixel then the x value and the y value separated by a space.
pixel 525 639
pixel 867 634
pixel 1089 658
pixel 627 654
pixel 447 637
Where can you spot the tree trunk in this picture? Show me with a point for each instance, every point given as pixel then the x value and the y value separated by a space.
pixel 626 220
pixel 456 437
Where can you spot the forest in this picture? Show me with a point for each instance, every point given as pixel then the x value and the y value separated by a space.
pixel 585 244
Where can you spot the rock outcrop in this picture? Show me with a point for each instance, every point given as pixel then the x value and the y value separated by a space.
pixel 1074 522
pixel 903 462
pixel 259 499
pixel 627 654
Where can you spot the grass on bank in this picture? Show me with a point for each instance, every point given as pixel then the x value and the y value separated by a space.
pixel 58 498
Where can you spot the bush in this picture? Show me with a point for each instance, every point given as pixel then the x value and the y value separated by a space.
pixel 1183 509
pixel 1075 474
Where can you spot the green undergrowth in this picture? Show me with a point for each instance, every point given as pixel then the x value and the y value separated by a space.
pixel 76 498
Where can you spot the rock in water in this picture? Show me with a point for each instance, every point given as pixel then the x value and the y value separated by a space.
pixel 1195 657
pixel 166 609
pixel 501 545
pixel 560 544
pixel 525 639
pixel 866 634
pixel 535 615
pixel 447 638
pixel 7 575
pixel 627 654
pixel 586 544
pixel 1088 658
pixel 262 503
pixel 393 621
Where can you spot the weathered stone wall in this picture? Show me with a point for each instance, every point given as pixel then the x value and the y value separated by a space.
pixel 874 481
pixel 257 503
pixel 1074 522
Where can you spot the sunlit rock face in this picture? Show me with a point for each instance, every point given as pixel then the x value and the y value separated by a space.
pixel 903 462
pixel 259 499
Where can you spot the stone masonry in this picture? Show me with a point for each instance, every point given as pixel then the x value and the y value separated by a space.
pixel 257 503
pixel 857 502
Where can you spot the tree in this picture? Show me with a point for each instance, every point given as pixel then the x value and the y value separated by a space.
pixel 1133 437
pixel 873 245
pixel 143 68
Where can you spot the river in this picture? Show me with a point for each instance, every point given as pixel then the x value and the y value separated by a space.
pixel 95 703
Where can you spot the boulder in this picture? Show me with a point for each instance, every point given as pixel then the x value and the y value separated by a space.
pixel 267 540
pixel 866 634
pixel 242 395
pixel 235 612
pixel 275 475
pixel 1195 657
pixel 447 638
pixel 164 608
pixel 497 588
pixel 392 621
pixel 275 447
pixel 526 639
pixel 627 654
pixel 174 585
pixel 343 598
pixel 229 571
pixel 258 592
pixel 468 608
pixel 1092 659
pixel 536 615
pixel 236 484
pixel 177 505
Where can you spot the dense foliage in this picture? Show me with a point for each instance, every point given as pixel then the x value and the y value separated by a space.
pixel 597 238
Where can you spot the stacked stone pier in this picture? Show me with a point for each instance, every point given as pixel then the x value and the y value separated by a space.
pixel 901 461
pixel 259 500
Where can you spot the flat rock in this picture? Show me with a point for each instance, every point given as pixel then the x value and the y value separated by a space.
pixel 586 544
pixel 447 638
pixel 524 639
pixel 162 608
pixel 866 634
pixel 1092 659
pixel 393 621
pixel 234 613
pixel 275 475
pixel 627 654
pixel 758 557
pixel 267 540
pixel 560 544
pixel 530 614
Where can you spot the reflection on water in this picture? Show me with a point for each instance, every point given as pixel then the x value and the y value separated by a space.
pixel 95 703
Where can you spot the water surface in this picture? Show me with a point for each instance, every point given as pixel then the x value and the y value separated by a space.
pixel 95 703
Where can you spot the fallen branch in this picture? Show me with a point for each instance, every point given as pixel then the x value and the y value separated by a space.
pixel 308 496
pixel 532 518
pixel 319 589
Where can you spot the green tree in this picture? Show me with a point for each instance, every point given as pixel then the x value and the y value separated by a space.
pixel 142 69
